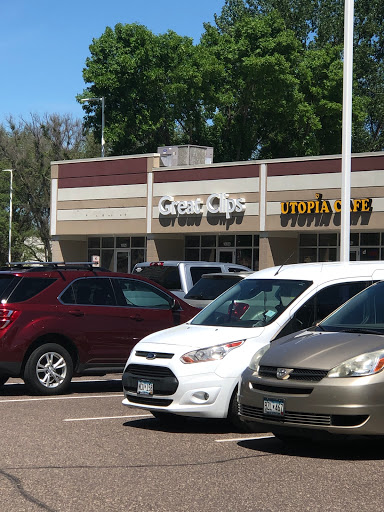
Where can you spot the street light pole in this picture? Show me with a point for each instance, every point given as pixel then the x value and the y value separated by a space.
pixel 10 212
pixel 102 99
pixel 346 132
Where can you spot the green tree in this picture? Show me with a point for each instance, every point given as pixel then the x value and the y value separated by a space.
pixel 152 88
pixel 28 147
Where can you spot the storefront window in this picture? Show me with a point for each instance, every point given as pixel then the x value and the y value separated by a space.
pixel 137 256
pixel 208 241
pixel 107 258
pixel 244 249
pixel 123 242
pixel 328 239
pixel 369 254
pixel 308 240
pixel 370 239
pixel 226 240
pixel 208 254
pixel 354 239
pixel 307 255
pixel 122 258
pixel 192 241
pixel 138 241
pixel 192 254
pixel 94 242
pixel 243 240
pixel 327 254
pixel 107 242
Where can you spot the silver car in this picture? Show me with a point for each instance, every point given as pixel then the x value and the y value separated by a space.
pixel 327 380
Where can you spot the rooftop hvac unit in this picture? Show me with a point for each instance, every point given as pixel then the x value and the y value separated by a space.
pixel 172 156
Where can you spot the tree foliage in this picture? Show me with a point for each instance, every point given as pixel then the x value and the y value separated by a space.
pixel 264 81
pixel 28 147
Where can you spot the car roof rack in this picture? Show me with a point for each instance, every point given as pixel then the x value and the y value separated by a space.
pixel 52 265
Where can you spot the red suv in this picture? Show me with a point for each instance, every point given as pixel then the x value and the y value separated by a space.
pixel 59 320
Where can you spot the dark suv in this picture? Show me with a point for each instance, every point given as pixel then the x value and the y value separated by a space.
pixel 60 320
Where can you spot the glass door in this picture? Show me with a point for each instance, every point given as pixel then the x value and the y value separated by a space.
pixel 354 254
pixel 123 261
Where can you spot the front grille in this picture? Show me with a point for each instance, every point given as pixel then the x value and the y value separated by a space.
pixel 163 379
pixel 301 418
pixel 147 370
pixel 282 390
pixel 297 374
pixel 154 355
pixel 149 401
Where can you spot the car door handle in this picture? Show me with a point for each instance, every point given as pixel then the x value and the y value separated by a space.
pixel 76 312
pixel 138 318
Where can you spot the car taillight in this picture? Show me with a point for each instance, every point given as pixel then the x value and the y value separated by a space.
pixel 8 316
pixel 156 264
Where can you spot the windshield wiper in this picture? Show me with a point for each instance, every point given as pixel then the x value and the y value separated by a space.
pixel 362 330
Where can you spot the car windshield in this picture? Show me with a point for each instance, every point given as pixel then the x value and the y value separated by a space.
pixel 208 288
pixel 251 303
pixel 363 313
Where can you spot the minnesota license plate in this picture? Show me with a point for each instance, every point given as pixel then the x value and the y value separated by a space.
pixel 144 387
pixel 273 407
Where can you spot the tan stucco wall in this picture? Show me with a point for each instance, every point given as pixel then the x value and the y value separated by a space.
pixel 165 249
pixel 70 250
pixel 276 251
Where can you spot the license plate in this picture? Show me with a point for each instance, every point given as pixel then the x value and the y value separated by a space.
pixel 144 387
pixel 273 407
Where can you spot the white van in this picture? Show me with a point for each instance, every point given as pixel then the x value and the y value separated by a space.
pixel 193 369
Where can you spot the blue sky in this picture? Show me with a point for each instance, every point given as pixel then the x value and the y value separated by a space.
pixel 44 44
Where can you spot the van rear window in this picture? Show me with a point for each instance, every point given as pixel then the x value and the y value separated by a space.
pixel 168 277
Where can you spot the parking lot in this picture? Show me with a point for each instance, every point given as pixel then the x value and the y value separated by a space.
pixel 84 451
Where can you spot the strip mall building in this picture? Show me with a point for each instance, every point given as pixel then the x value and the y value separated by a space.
pixel 127 209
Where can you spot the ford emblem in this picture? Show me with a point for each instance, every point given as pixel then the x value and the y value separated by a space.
pixel 151 355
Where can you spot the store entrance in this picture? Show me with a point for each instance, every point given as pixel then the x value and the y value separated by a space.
pixel 226 255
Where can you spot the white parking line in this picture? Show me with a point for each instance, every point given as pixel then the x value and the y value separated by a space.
pixel 110 417
pixel 59 398
pixel 242 439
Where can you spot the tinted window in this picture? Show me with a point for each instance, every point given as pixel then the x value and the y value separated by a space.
pixel 321 305
pixel 94 291
pixel 197 272
pixel 28 287
pixel 140 294
pixel 365 311
pixel 210 288
pixel 168 277
pixel 252 303
pixel 7 284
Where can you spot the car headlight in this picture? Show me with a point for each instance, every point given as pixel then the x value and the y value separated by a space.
pixel 214 353
pixel 365 364
pixel 254 364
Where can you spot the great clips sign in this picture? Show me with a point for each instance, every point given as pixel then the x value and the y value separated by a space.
pixel 216 204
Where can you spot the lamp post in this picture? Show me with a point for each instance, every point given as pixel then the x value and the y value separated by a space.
pixel 10 212
pixel 102 99
pixel 346 132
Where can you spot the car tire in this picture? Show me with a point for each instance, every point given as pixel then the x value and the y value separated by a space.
pixel 234 418
pixel 48 370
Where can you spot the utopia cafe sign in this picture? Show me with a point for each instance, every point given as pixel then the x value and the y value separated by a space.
pixel 320 205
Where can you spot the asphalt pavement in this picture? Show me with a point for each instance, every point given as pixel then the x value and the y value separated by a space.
pixel 85 451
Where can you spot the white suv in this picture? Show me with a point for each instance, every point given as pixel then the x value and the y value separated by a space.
pixel 193 369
